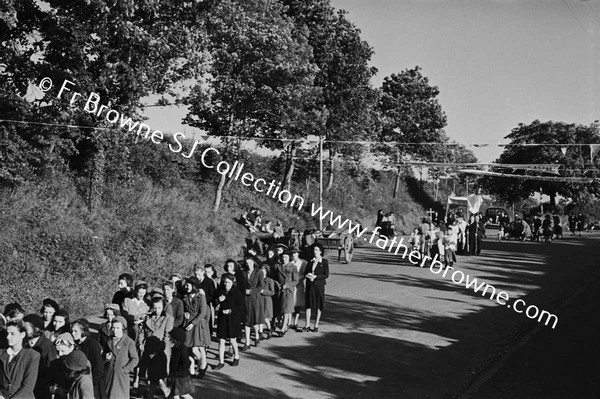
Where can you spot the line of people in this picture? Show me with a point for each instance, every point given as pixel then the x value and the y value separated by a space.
pixel 446 240
pixel 161 335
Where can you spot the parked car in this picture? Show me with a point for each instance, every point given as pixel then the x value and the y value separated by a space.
pixel 492 216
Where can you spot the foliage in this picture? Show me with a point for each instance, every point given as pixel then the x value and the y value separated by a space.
pixel 576 162
pixel 410 113
pixel 260 82
pixel 344 75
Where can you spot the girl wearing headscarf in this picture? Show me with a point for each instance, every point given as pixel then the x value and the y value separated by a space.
pixel 196 317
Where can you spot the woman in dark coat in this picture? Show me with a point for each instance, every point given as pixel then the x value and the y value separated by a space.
pixel 273 265
pixel 255 280
pixel 229 303
pixel 267 299
pixel 196 316
pixel 317 272
pixel 93 352
pixel 472 235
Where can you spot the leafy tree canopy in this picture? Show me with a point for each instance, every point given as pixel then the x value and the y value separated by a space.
pixel 575 163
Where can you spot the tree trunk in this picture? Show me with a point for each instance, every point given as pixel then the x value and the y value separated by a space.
pixel 331 171
pixel 290 168
pixel 96 179
pixel 397 184
pixel 219 192
pixel 223 178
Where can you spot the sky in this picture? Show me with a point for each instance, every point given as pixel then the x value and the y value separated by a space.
pixel 497 63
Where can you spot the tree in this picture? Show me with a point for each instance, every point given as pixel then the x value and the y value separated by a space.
pixel 410 113
pixel 348 99
pixel 122 52
pixel 574 163
pixel 261 79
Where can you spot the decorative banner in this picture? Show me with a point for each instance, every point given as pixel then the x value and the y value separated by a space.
pixel 528 177
pixel 472 202
pixel 547 168
pixel 475 202
pixel 564 150
pixel 594 148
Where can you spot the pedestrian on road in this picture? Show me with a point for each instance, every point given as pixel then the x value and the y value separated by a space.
pixel 230 305
pixel 120 358
pixel 196 316
pixel 181 384
pixel 255 282
pixel 317 272
pixel 266 298
pixel 480 233
pixel 80 329
pixel 288 291
pixel 300 293
pixel 78 374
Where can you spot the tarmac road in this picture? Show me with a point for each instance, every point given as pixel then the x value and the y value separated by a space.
pixel 394 330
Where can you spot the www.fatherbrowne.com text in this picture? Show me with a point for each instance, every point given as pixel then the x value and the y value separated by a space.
pixel 436 267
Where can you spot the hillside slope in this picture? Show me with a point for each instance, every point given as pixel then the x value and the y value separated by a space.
pixel 51 246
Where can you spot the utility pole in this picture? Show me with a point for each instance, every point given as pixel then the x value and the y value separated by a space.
pixel 321 179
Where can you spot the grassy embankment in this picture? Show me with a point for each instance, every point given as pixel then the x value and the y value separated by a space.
pixel 51 246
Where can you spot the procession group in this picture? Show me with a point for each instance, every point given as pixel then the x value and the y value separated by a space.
pixel 457 235
pixel 160 335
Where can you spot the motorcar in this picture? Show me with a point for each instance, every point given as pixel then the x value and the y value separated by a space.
pixel 492 216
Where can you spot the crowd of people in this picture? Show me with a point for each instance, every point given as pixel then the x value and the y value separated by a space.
pixel 464 236
pixel 160 335
pixel 536 228
pixel 386 223
pixel 457 235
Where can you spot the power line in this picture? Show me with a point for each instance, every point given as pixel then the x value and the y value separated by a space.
pixel 303 140
pixel 581 25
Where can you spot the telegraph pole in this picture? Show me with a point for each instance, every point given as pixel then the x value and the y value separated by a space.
pixel 321 179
